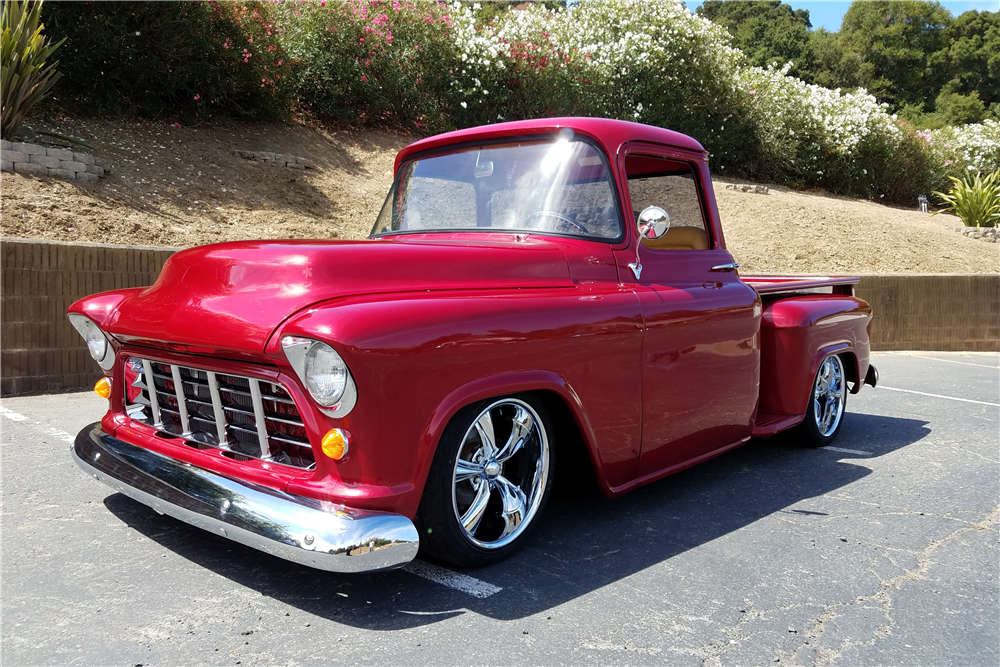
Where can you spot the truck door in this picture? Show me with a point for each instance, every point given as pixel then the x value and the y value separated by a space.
pixel 700 359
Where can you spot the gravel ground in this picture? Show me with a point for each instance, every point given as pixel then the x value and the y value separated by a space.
pixel 176 186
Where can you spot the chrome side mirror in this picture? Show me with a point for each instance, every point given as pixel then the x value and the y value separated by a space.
pixel 653 223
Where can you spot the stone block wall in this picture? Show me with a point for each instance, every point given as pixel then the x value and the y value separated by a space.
pixel 26 158
pixel 39 350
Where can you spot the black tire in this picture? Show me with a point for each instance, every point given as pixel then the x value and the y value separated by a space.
pixel 499 492
pixel 827 405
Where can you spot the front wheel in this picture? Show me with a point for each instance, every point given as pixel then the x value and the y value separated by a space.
pixel 489 481
pixel 827 403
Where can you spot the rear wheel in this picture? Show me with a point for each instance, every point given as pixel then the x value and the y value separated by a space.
pixel 827 403
pixel 489 481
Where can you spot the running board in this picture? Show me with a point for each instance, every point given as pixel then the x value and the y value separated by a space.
pixel 768 425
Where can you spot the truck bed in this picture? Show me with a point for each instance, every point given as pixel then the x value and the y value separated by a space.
pixel 769 285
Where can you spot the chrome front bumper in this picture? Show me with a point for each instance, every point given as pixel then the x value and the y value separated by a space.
pixel 303 530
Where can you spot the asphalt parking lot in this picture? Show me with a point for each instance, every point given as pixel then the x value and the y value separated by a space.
pixel 881 550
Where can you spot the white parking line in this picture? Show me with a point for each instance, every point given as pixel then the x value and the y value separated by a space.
pixel 460 582
pixel 54 432
pixel 11 415
pixel 951 361
pixel 857 452
pixel 950 398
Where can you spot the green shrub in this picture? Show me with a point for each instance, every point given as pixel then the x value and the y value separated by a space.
pixel 976 201
pixel 164 58
pixel 26 75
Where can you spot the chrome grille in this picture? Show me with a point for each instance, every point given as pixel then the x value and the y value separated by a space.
pixel 245 417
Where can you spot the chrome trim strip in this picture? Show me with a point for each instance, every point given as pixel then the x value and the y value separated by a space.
pixel 220 414
pixel 279 438
pixel 154 401
pixel 328 537
pixel 259 418
pixel 175 372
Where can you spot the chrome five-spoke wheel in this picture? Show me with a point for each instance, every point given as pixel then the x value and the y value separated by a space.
pixel 827 402
pixel 500 473
pixel 489 480
pixel 828 396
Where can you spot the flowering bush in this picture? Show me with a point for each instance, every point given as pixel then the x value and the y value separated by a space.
pixel 430 66
pixel 374 62
pixel 962 148
pixel 158 58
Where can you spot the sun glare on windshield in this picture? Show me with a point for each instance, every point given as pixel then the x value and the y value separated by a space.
pixel 560 187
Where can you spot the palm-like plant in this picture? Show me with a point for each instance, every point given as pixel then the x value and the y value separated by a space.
pixel 26 77
pixel 976 201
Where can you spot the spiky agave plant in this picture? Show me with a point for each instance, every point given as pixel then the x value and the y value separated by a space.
pixel 975 201
pixel 26 76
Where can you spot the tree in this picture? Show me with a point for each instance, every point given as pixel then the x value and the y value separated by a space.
pixel 765 31
pixel 896 40
pixel 970 59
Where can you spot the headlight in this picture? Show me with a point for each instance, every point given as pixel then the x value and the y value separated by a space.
pixel 323 372
pixel 97 342
pixel 326 374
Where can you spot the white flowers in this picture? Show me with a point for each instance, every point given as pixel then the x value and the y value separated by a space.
pixel 976 145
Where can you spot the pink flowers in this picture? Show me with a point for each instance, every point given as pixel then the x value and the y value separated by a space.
pixel 322 3
pixel 197 97
pixel 364 78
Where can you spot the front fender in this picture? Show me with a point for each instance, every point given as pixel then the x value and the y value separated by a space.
pixel 504 384
pixel 418 358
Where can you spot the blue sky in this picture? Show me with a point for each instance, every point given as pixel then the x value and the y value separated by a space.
pixel 828 14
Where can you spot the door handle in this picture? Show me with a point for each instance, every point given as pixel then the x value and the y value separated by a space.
pixel 726 267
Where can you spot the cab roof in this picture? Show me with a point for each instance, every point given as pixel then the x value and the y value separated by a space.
pixel 609 133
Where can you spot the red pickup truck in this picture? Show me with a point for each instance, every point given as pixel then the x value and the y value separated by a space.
pixel 531 292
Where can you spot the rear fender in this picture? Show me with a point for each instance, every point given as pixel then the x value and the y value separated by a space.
pixel 797 334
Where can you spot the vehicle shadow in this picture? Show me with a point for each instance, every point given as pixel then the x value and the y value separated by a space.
pixel 584 541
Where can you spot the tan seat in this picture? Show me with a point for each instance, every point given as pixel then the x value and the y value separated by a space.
pixel 679 238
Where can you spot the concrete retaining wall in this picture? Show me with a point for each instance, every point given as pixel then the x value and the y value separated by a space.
pixel 41 352
pixel 934 312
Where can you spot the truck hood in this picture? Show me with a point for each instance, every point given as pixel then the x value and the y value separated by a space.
pixel 231 296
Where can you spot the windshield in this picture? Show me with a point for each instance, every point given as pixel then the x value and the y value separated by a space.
pixel 561 186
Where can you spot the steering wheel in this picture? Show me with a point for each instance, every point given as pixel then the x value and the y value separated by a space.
pixel 557 216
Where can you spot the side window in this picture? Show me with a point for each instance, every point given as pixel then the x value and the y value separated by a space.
pixel 437 203
pixel 669 184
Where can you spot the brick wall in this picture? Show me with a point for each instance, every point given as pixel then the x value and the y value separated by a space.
pixel 41 352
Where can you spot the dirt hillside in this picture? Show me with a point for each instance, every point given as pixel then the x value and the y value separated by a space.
pixel 176 186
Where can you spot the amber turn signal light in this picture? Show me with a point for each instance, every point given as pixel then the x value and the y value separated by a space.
pixel 103 388
pixel 336 442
